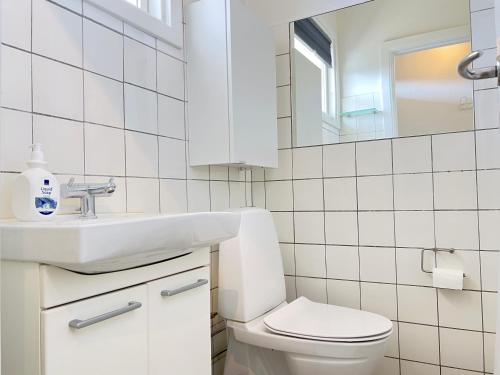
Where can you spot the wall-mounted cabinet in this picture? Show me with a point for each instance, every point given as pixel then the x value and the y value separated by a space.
pixel 231 79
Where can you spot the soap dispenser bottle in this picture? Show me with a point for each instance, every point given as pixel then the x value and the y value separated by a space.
pixel 35 195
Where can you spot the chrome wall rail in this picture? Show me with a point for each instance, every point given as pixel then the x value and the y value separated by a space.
pixel 434 250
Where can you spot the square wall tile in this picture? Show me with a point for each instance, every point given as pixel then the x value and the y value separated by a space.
pixel 283 70
pixel 237 194
pixel 170 76
pixel 171 117
pixel 16 79
pixel 379 299
pixel 310 260
pixel 218 172
pixel 461 349
pixel 173 196
pixel 284 170
pixel 283 221
pixel 279 195
pixel 63 157
pixel 344 293
pixel 308 195
pixel 291 289
pixel 313 289
pixel 476 5
pixel 340 194
pixel 198 196
pixel 143 195
pixel 488 149
pixel 141 109
pixel 341 228
pixel 374 157
pixel 281 38
pixel 102 17
pixel 412 155
pixel 417 305
pixel 15 137
pixel 488 230
pixel 283 101
pixel 288 255
pixel 408 267
pixel 284 132
pixel 415 368
pixel 413 192
pixel 376 228
pixel 388 366
pixel 377 264
pixel 104 150
pixel 488 186
pixel 483 22
pixel 219 195
pixel 6 182
pixel 454 371
pixel 414 228
pixel 419 343
pixel 57 33
pixel 139 35
pixel 460 309
pixel 309 227
pixel 57 89
pixel 141 154
pixel 485 109
pixel 489 271
pixel 490 312
pixel 74 5
pixel 453 152
pixel 103 100
pixel 16 23
pixel 455 190
pixel 258 194
pixel 102 50
pixel 342 262
pixel 339 160
pixel 457 230
pixel 375 193
pixel 489 352
pixel 307 162
pixel 172 155
pixel 139 64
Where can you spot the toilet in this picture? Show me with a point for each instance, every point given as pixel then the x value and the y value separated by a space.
pixel 267 335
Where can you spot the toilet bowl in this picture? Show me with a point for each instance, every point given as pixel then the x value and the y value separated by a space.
pixel 266 335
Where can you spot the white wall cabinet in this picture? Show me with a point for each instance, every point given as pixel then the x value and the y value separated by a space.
pixel 231 79
pixel 152 320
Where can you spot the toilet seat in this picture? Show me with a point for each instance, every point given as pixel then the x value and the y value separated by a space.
pixel 316 321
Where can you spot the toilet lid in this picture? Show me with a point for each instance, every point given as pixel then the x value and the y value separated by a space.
pixel 318 321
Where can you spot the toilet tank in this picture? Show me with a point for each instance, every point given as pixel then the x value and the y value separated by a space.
pixel 251 277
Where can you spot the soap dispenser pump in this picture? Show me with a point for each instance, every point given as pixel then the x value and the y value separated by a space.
pixel 35 195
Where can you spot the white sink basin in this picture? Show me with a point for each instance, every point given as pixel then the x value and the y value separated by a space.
pixel 114 242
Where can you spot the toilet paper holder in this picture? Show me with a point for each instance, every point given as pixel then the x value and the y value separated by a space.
pixel 434 250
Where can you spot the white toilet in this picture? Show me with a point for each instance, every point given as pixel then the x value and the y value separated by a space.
pixel 267 336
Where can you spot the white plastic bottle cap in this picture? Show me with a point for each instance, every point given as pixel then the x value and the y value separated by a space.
pixel 37 157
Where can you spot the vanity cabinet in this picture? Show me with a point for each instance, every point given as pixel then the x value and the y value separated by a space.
pixel 152 320
pixel 231 86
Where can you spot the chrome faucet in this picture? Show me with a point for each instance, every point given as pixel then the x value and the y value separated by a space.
pixel 87 194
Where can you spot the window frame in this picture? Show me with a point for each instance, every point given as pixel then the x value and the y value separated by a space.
pixel 169 31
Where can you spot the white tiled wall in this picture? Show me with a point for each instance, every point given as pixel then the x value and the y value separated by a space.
pixel 106 100
pixel 352 218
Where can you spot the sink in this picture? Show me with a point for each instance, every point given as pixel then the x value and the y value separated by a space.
pixel 113 242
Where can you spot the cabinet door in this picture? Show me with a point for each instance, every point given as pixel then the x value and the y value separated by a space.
pixel 100 336
pixel 179 324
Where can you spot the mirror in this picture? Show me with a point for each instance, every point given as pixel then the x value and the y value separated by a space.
pixel 381 69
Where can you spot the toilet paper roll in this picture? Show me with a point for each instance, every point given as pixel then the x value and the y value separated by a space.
pixel 448 279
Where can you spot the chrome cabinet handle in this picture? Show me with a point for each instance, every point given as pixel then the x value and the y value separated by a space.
pixel 79 324
pixel 173 292
pixel 480 73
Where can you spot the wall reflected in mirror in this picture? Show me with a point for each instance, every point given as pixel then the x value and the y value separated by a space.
pixel 381 69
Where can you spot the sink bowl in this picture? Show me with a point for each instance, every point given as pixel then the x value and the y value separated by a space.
pixel 113 242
